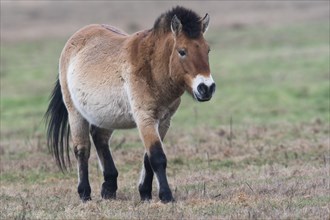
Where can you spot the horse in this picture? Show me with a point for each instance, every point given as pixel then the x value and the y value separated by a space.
pixel 112 80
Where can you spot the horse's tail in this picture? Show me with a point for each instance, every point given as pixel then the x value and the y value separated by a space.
pixel 58 129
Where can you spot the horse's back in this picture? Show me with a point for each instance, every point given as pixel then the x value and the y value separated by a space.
pixel 92 34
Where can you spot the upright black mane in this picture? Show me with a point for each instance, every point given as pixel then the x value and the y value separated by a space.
pixel 191 22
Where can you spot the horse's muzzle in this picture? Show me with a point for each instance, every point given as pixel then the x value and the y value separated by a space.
pixel 204 92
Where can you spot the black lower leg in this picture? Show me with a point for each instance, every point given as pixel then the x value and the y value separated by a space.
pixel 158 163
pixel 110 173
pixel 84 189
pixel 145 186
pixel 100 138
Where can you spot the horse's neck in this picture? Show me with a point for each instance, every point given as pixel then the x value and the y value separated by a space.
pixel 153 64
pixel 160 67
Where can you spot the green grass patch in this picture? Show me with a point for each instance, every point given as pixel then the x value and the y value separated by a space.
pixel 33 176
pixel 217 209
pixel 320 201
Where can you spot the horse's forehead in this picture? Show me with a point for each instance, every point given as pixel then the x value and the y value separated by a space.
pixel 195 43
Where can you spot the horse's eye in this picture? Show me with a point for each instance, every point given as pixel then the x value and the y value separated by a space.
pixel 209 50
pixel 182 52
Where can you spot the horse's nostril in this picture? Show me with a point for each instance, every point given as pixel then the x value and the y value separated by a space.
pixel 212 88
pixel 202 89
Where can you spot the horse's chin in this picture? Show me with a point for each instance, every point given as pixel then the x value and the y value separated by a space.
pixel 201 99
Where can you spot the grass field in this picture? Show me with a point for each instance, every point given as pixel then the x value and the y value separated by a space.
pixel 259 149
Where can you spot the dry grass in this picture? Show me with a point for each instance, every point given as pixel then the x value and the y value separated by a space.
pixel 249 172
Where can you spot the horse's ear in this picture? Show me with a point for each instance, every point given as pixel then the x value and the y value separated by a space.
pixel 176 25
pixel 205 22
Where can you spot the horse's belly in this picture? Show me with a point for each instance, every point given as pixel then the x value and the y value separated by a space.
pixel 107 109
pixel 115 114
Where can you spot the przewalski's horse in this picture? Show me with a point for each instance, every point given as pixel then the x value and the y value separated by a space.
pixel 110 80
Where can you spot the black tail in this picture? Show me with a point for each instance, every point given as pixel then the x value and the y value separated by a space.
pixel 58 129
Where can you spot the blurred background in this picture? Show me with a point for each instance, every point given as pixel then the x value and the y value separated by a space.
pixel 270 60
pixel 29 20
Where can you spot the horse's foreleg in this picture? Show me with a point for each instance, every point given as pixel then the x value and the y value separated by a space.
pixel 165 123
pixel 81 143
pixel 101 138
pixel 163 127
pixel 147 174
pixel 157 159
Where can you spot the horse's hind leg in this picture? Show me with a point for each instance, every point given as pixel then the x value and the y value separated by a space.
pixel 101 138
pixel 81 143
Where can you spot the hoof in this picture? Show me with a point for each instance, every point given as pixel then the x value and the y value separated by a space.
pixel 85 198
pixel 145 197
pixel 166 196
pixel 84 192
pixel 145 193
pixel 108 191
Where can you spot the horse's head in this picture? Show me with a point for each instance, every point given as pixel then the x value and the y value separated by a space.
pixel 189 62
